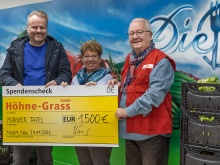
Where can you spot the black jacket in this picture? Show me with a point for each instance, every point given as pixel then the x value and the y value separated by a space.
pixel 57 66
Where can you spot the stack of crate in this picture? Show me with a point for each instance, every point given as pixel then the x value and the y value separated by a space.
pixel 200 125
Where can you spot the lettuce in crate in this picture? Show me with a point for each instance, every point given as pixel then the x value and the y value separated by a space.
pixel 208 80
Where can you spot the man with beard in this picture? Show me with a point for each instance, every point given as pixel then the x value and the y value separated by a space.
pixel 35 60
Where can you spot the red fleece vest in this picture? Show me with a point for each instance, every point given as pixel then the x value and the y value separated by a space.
pixel 159 120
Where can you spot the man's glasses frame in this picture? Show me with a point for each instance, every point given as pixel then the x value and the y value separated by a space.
pixel 138 33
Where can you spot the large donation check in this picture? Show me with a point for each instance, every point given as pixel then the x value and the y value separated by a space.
pixel 60 116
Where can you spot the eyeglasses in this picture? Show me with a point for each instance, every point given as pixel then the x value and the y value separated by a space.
pixel 86 57
pixel 138 33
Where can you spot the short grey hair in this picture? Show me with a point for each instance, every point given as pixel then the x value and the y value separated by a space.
pixel 39 14
pixel 147 22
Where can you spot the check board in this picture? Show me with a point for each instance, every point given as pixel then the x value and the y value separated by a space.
pixel 60 116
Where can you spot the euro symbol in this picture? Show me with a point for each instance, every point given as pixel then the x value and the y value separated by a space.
pixel 104 119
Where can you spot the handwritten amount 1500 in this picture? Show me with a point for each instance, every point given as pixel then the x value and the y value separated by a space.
pixel 92 118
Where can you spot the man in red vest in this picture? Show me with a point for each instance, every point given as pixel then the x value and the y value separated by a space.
pixel 145 103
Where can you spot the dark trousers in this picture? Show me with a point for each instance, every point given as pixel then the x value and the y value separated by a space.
pixel 94 155
pixel 21 155
pixel 153 151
